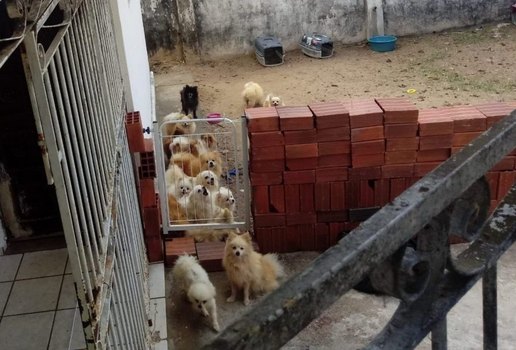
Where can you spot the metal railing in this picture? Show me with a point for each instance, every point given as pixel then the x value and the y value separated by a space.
pixel 404 251
pixel 76 88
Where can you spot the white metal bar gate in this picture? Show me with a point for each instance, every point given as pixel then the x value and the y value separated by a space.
pixel 76 86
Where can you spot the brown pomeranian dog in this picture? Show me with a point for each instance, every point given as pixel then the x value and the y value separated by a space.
pixel 248 270
pixel 190 164
pixel 211 160
pixel 176 213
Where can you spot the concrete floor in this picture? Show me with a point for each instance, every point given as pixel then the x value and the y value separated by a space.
pixel 355 318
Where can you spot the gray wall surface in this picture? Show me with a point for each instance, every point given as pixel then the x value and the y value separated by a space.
pixel 217 28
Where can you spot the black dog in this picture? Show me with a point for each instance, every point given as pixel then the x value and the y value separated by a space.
pixel 190 100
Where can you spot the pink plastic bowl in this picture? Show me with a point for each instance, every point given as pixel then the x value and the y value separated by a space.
pixel 216 118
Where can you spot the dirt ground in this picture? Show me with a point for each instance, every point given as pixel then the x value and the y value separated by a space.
pixel 450 68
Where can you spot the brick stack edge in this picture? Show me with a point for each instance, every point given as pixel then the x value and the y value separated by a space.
pixel 316 172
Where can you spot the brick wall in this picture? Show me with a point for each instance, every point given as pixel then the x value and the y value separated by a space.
pixel 317 171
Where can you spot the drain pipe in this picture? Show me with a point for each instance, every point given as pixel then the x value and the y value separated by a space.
pixel 375 23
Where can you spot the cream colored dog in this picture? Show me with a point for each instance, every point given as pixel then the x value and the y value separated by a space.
pixel 273 101
pixel 195 283
pixel 253 95
pixel 248 270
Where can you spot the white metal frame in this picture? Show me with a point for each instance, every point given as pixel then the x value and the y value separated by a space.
pixel 77 89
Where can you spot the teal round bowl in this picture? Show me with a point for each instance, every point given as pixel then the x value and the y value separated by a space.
pixel 382 43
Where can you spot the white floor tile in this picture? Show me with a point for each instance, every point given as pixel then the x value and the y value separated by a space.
pixel 8 266
pixel 157 280
pixel 78 341
pixel 44 263
pixel 67 298
pixel 5 288
pixel 158 314
pixel 26 332
pixel 62 330
pixel 34 295
pixel 162 345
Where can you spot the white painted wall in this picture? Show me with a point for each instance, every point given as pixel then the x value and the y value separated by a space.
pixel 132 51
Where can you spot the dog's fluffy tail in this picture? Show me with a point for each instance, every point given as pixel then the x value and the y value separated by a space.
pixel 273 263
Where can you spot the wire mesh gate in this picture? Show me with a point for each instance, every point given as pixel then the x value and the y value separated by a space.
pixel 202 174
pixel 76 87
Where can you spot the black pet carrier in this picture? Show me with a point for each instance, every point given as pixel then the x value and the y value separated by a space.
pixel 269 51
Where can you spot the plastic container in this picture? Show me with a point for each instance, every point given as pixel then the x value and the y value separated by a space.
pixel 316 45
pixel 214 118
pixel 382 43
pixel 269 51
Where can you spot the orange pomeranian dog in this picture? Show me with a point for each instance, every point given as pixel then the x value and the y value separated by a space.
pixel 211 160
pixel 248 270
pixel 190 164
pixel 176 213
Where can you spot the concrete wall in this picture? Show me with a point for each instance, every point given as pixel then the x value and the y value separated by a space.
pixel 228 27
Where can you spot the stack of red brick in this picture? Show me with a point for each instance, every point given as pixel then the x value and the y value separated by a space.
pixel 318 171
pixel 143 152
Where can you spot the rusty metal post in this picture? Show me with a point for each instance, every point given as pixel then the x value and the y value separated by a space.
pixel 489 311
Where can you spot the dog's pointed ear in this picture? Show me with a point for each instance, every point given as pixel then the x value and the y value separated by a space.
pixel 247 237
pixel 231 236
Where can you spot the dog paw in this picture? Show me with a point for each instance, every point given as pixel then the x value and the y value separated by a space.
pixel 247 302
pixel 230 299
pixel 216 327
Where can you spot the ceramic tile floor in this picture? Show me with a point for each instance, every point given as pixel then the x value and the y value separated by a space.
pixel 158 306
pixel 37 303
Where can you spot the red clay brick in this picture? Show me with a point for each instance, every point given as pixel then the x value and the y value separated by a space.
pixel 435 142
pixel 292 198
pixel 268 153
pixel 433 155
pixel 397 187
pixel 302 163
pixel 334 147
pixel 368 147
pixel 279 239
pixel 336 232
pixel 210 255
pixel 261 199
pixel 398 110
pixel 393 131
pixel 151 217
pixel 367 160
pixel 434 122
pixel 276 199
pixel 331 174
pixel 258 179
pixel 505 183
pixel 334 134
pixel 492 180
pixel 293 239
pixel 467 119
pixel 368 173
pixel 267 166
pixel 307 237
pixel 147 193
pixel 364 113
pixel 269 220
pixel 366 199
pixel 300 137
pixel 306 198
pixel 337 160
pixel 456 150
pixel 337 196
pixel 494 111
pixel 493 206
pixel 154 249
pixel 366 134
pixel 505 164
pixel 400 157
pixel 266 139
pixel 322 197
pixel 462 139
pixel 295 118
pixel 397 170
pixel 178 246
pixel 330 114
pixel 309 150
pixel 294 219
pixel 133 129
pixel 262 119
pixel 421 169
pixel 264 239
pixel 299 177
pixel 332 216
pixel 382 192
pixel 402 144
pixel 322 237
pixel 353 193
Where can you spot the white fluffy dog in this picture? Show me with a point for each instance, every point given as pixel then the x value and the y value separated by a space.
pixel 252 94
pixel 273 101
pixel 175 127
pixel 208 179
pixel 200 204
pixel 195 283
pixel 223 198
